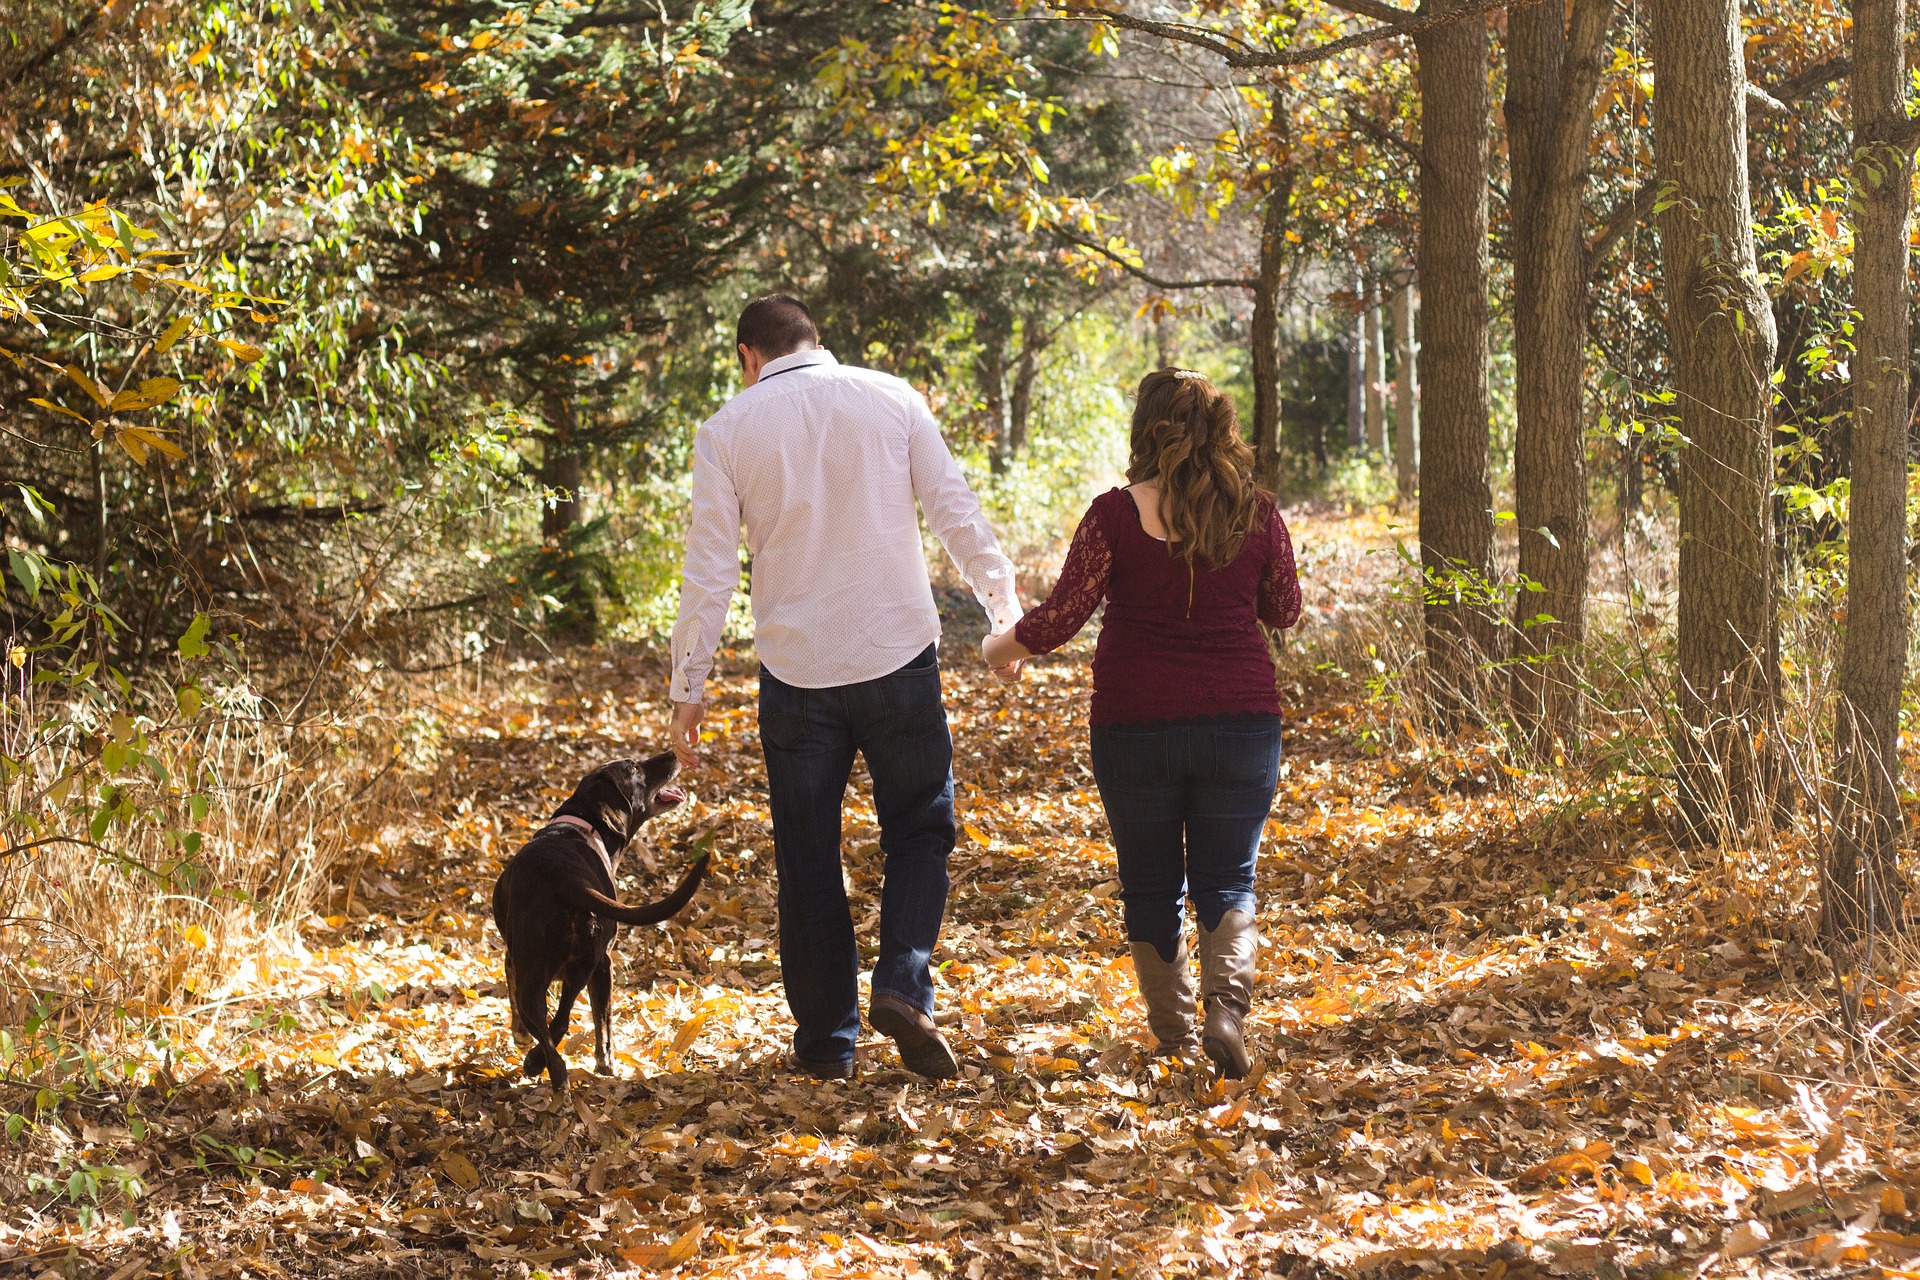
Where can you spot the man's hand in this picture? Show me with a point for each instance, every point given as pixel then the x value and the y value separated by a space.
pixel 1005 655
pixel 686 733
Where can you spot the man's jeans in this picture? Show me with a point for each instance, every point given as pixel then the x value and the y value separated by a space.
pixel 1187 802
pixel 899 723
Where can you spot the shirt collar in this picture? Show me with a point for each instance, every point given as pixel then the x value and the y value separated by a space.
pixel 797 360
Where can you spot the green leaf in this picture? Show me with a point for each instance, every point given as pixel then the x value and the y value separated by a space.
pixel 26 568
pixel 194 643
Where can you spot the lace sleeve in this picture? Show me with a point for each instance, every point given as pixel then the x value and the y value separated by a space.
pixel 1280 584
pixel 1081 588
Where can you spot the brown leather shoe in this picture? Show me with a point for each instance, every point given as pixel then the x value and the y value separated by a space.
pixel 820 1071
pixel 922 1049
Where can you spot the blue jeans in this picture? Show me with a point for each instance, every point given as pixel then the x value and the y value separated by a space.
pixel 899 723
pixel 1186 802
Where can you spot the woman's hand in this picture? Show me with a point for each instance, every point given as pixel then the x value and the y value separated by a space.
pixel 1005 655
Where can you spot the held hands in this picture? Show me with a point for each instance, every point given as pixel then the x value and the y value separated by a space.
pixel 685 733
pixel 1005 655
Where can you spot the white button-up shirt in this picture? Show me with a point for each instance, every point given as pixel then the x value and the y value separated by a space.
pixel 821 464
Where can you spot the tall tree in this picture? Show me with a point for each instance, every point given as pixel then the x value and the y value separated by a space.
pixel 1456 501
pixel 1861 876
pixel 1406 397
pixel 1553 73
pixel 1720 328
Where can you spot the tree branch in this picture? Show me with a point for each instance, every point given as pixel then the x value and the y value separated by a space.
pixel 1621 219
pixel 1382 134
pixel 1375 9
pixel 1243 57
pixel 1158 282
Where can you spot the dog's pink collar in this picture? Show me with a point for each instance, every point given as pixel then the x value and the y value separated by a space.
pixel 593 837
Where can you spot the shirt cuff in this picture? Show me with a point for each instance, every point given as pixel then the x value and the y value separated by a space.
pixel 993 588
pixel 685 686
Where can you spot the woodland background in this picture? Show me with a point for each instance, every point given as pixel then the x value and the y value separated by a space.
pixel 350 358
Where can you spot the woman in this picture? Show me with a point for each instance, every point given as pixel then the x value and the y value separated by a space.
pixel 1190 558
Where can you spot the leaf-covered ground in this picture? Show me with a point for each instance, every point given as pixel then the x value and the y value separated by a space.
pixel 1502 1030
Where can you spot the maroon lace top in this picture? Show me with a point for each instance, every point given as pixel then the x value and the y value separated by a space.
pixel 1176 643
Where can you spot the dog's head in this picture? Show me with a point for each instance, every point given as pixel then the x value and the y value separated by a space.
pixel 621 795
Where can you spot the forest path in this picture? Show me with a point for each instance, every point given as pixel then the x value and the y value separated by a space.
pixel 1493 1036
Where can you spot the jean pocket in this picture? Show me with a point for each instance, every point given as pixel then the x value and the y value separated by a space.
pixel 783 718
pixel 1131 759
pixel 1245 755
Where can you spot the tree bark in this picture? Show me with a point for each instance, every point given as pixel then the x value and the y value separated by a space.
pixel 1406 397
pixel 1376 369
pixel 559 464
pixel 994 329
pixel 1553 74
pixel 1720 328
pixel 1456 501
pixel 1026 370
pixel 1357 368
pixel 1862 882
pixel 1265 335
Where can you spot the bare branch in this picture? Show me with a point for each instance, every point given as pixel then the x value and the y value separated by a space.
pixel 1158 282
pixel 1623 218
pixel 1243 57
pixel 1375 9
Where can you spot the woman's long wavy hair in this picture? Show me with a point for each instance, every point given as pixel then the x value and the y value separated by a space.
pixel 1186 439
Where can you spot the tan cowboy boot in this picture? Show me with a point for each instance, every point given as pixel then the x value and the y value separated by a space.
pixel 1167 990
pixel 1227 955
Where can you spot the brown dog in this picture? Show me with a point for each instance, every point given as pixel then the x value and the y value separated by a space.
pixel 555 905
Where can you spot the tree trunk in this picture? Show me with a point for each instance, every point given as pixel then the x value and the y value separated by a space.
pixel 1862 883
pixel 1553 73
pixel 1265 334
pixel 1406 396
pixel 1357 369
pixel 1376 370
pixel 559 464
pixel 1026 370
pixel 1456 501
pixel 1720 328
pixel 994 329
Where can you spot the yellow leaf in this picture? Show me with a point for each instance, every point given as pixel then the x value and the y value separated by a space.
pixel 659 1257
pixel 325 1057
pixel 1637 1169
pixel 460 1170
pixel 688 1031
pixel 106 271
pixel 58 408
pixel 148 394
pixel 137 440
pixel 484 39
pixel 242 350
pixel 87 385
pixel 196 937
pixel 174 332
pixel 200 54
pixel 976 835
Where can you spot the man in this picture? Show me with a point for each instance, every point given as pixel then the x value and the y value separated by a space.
pixel 822 465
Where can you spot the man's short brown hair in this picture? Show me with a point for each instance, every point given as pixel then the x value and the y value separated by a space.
pixel 777 325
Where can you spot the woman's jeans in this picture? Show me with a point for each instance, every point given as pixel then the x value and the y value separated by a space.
pixel 1187 802
pixel 899 723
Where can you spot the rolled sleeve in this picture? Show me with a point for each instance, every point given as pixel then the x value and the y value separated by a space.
pixel 954 515
pixel 711 571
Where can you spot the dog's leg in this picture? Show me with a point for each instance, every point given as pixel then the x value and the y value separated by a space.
pixel 571 981
pixel 600 992
pixel 530 1000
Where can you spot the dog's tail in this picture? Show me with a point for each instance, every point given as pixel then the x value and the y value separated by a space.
pixel 606 908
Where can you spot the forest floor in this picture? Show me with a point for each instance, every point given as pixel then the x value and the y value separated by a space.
pixel 1504 1028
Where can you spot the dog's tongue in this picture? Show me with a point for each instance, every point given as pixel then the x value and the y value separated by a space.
pixel 667 797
